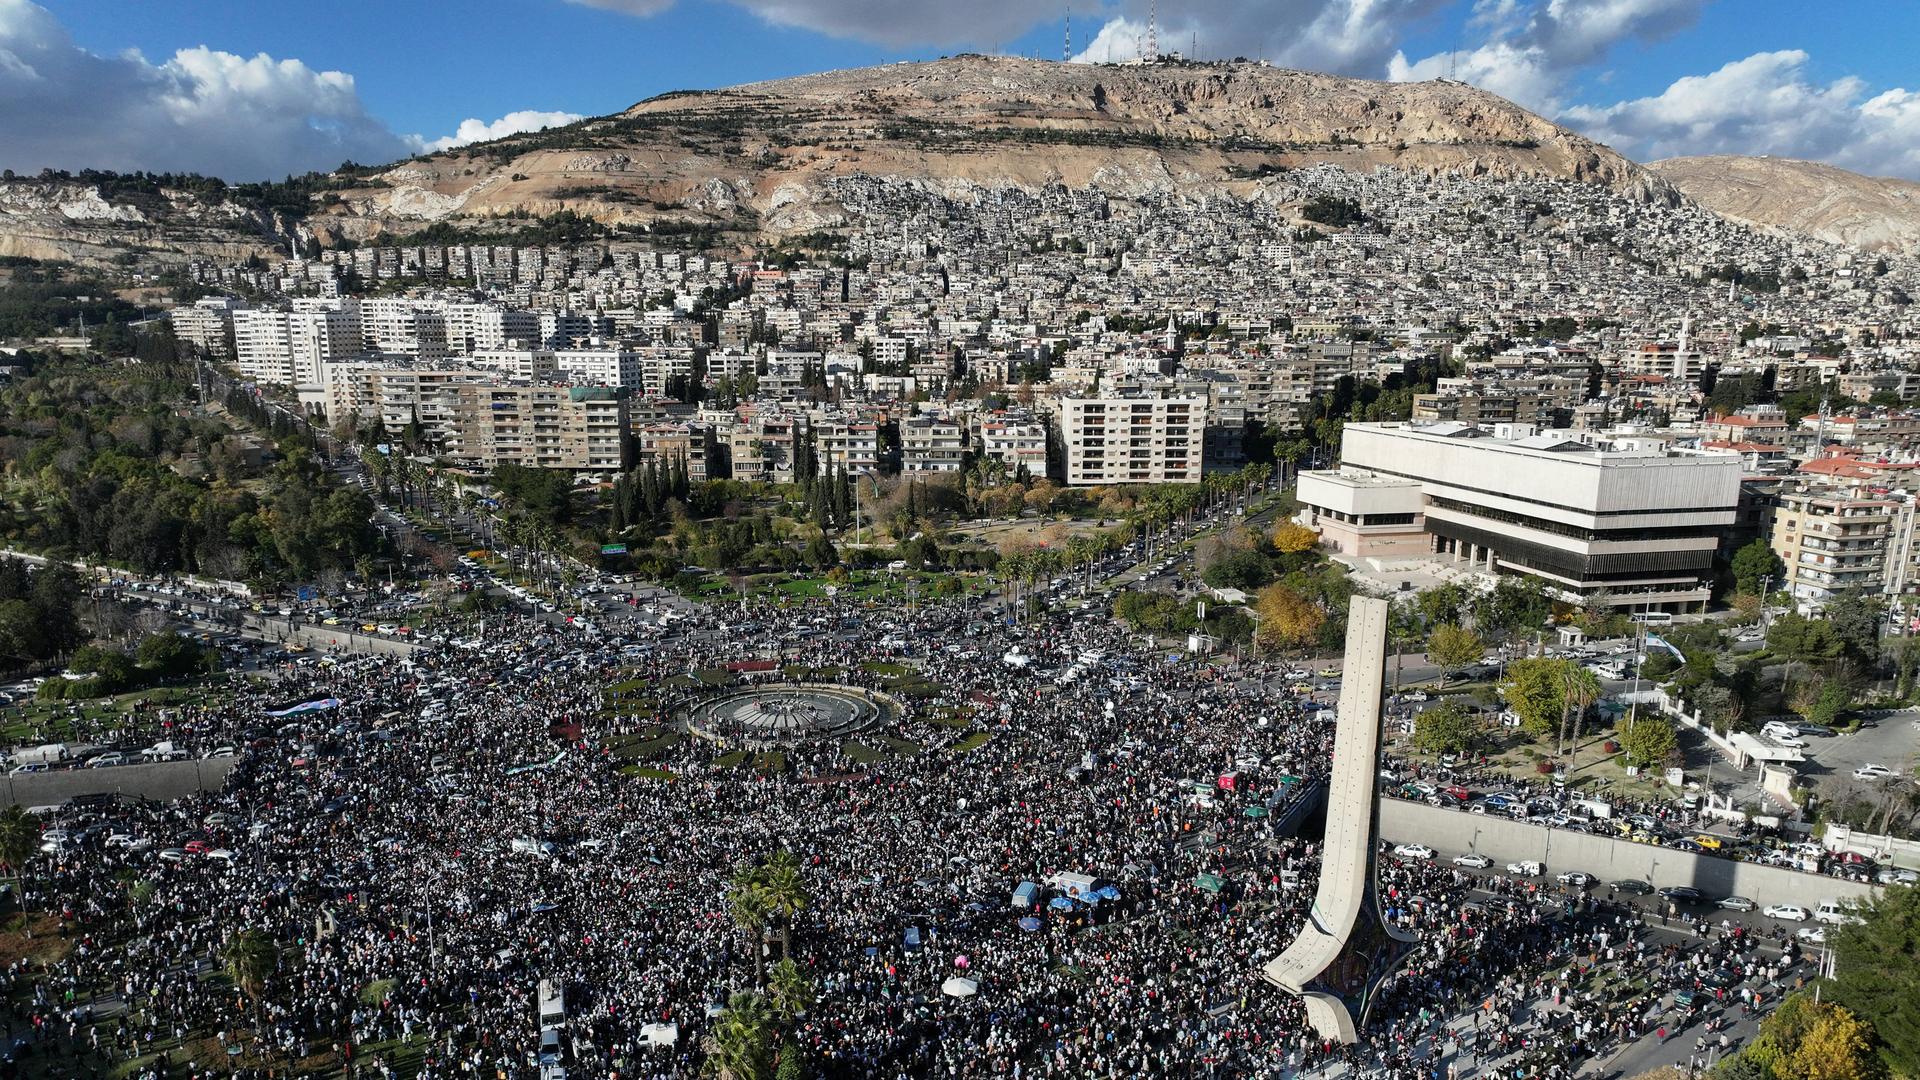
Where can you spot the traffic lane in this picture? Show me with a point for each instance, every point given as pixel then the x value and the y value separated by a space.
pixel 1654 908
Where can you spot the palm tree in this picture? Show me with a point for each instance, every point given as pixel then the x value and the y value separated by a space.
pixel 19 838
pixel 738 1047
pixel 1583 689
pixel 249 957
pixel 793 993
pixel 751 910
pixel 785 893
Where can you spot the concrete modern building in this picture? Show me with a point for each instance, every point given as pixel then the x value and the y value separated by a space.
pixel 1633 519
pixel 1129 440
pixel 1346 949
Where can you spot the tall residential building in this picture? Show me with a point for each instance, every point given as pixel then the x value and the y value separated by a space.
pixel 1832 544
pixel 600 365
pixel 205 323
pixel 932 444
pixel 1017 443
pixel 397 327
pixel 1127 440
pixel 1632 520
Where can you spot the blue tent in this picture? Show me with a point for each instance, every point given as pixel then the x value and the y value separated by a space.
pixel 1061 902
pixel 1107 892
pixel 1029 924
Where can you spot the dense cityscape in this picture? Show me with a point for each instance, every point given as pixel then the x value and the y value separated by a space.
pixel 996 630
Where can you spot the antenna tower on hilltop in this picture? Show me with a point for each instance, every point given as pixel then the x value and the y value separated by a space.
pixel 1066 50
pixel 1153 29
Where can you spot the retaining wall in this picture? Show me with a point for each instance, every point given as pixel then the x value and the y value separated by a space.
pixel 159 780
pixel 1504 840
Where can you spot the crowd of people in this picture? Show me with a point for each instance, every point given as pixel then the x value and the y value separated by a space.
pixel 464 824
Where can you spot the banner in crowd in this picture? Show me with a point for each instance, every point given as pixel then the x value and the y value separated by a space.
pixel 295 708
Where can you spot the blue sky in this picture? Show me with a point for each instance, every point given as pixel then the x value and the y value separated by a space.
pixel 243 89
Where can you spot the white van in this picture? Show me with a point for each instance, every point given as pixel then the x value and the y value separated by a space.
pixel 1833 912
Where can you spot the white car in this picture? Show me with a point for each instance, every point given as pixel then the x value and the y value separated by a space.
pixel 1787 913
pixel 1478 862
pixel 1870 771
pixel 1812 935
pixel 1413 851
pixel 1525 869
pixel 1575 878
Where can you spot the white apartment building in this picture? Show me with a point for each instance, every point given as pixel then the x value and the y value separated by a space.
pixel 1133 440
pixel 205 323
pixel 518 363
pixel 397 327
pixel 932 444
pixel 1636 521
pixel 1832 544
pixel 1017 443
pixel 292 348
pixel 600 365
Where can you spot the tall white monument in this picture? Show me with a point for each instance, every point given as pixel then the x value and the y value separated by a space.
pixel 1347 949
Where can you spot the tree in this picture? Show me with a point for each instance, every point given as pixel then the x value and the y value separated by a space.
pixel 786 894
pixel 1752 565
pixel 249 956
pixel 1877 972
pixel 1649 741
pixel 1516 604
pixel 1442 604
pixel 1291 538
pixel 19 839
pixel 1799 639
pixel 1446 728
pixel 1579 689
pixel 1534 691
pixel 793 993
pixel 738 1048
pixel 751 912
pixel 1837 1047
pixel 1288 620
pixel 1453 647
pixel 170 655
pixel 1825 706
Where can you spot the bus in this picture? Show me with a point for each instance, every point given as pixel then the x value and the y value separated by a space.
pixel 1653 618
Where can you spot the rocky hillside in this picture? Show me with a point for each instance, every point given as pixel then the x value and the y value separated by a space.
pixel 758 159
pixel 757 155
pixel 1871 212
pixel 78 221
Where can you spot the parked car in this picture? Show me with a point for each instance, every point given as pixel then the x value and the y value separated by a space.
pixel 1871 771
pixel 1478 862
pixel 1413 851
pixel 1633 886
pixel 1575 878
pixel 1787 913
pixel 1737 903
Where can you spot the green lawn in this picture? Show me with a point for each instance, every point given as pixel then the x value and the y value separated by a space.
pixel 645 746
pixel 880 667
pixel 646 772
pixel 775 762
pixel 903 747
pixel 970 743
pixel 860 753
pixel 730 760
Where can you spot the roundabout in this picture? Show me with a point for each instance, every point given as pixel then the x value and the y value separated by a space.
pixel 772 717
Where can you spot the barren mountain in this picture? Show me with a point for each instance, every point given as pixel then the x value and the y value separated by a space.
pixel 1871 212
pixel 757 159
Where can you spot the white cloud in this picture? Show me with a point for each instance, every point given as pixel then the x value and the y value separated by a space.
pixel 1764 104
pixel 1533 49
pixel 243 118
pixel 473 129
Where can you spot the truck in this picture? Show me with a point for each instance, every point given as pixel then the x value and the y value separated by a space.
pixel 44 754
pixel 553 1004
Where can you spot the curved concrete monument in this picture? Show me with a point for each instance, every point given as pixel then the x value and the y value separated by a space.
pixel 1346 949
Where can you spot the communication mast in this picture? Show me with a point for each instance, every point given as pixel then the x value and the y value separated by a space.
pixel 1153 30
pixel 1066 50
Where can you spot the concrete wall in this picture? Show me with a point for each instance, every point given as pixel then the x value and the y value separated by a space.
pixel 1504 840
pixel 160 780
